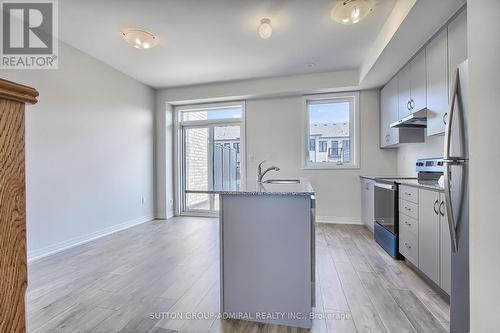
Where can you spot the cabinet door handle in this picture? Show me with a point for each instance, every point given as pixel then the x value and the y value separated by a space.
pixel 441 206
pixel 412 103
pixel 444 117
pixel 407 223
pixel 408 105
pixel 435 209
pixel 408 193
pixel 407 245
pixel 408 209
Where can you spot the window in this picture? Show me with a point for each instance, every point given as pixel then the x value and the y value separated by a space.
pixel 202 113
pixel 334 151
pixel 312 144
pixel 323 145
pixel 236 146
pixel 332 119
pixel 345 150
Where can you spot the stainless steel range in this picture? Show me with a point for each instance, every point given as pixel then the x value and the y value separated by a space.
pixel 386 228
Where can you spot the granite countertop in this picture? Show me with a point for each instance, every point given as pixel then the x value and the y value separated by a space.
pixel 429 184
pixel 254 188
pixel 410 181
pixel 385 177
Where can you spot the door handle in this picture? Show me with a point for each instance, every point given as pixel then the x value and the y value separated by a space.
pixel 441 205
pixel 444 117
pixel 412 103
pixel 408 105
pixel 447 166
pixel 451 109
pixel 435 209
pixel 449 208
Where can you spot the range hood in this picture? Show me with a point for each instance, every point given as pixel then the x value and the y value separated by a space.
pixel 415 120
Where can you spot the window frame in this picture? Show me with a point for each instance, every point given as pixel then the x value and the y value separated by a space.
pixel 336 147
pixel 179 124
pixel 323 146
pixel 313 141
pixel 351 97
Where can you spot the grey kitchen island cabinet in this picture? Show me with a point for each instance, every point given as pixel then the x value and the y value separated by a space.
pixel 267 259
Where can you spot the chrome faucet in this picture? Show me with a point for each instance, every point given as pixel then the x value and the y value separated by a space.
pixel 261 174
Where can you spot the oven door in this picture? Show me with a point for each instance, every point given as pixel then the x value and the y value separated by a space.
pixel 385 206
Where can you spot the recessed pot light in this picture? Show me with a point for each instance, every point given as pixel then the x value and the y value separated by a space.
pixel 265 28
pixel 351 11
pixel 140 39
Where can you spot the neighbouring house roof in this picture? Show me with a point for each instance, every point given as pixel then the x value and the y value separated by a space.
pixel 331 130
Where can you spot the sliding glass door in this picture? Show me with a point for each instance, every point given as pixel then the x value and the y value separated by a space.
pixel 210 142
pixel 198 168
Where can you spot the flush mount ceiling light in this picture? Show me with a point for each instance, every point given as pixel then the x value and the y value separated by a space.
pixel 140 39
pixel 265 28
pixel 351 11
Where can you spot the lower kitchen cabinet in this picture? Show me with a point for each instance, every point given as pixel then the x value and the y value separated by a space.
pixel 368 202
pixel 408 244
pixel 428 234
pixel 424 238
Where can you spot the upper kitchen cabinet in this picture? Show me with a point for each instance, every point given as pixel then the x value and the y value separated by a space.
pixel 443 54
pixel 418 100
pixel 457 43
pixel 437 83
pixel 389 102
pixel 389 114
pixel 404 96
pixel 411 86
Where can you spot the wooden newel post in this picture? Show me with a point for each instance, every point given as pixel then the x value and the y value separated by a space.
pixel 13 261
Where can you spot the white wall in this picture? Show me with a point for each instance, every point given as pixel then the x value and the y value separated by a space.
pixel 90 151
pixel 408 153
pixel 238 90
pixel 274 132
pixel 484 140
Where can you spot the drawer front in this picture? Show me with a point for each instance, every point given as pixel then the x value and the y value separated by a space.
pixel 408 223
pixel 408 208
pixel 408 245
pixel 408 193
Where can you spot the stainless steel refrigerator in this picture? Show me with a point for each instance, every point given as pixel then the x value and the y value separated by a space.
pixel 456 176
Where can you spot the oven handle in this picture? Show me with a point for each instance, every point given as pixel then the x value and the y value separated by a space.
pixel 386 186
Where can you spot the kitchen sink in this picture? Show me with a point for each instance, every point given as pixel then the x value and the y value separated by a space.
pixel 282 181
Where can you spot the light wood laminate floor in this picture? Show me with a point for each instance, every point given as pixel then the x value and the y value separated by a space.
pixel 150 277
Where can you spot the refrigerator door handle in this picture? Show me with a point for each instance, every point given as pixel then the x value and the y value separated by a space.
pixel 449 208
pixel 448 161
pixel 451 109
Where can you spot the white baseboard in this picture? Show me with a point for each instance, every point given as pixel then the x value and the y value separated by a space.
pixel 338 220
pixel 61 246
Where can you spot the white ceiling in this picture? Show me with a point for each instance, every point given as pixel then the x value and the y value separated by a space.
pixel 204 41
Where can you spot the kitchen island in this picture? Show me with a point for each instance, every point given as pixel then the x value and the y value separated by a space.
pixel 267 261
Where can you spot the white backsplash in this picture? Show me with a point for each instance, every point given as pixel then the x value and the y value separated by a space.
pixel 409 153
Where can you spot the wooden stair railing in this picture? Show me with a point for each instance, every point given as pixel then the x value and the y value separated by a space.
pixel 13 261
